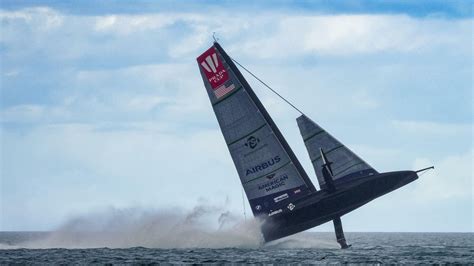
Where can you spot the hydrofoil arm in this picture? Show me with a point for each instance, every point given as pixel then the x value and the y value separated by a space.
pixel 341 239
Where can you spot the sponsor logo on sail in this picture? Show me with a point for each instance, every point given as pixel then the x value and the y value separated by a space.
pixel 210 64
pixel 275 212
pixel 291 206
pixel 252 151
pixel 214 70
pixel 280 198
pixel 223 90
pixel 262 166
pixel 274 184
pixel 270 176
pixel 252 142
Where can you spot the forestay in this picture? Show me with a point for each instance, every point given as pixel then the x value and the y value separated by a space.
pixel 346 164
pixel 269 171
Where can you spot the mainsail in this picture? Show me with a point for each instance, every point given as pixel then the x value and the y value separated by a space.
pixel 270 173
pixel 345 163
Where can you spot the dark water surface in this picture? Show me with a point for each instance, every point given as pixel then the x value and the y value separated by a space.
pixel 304 248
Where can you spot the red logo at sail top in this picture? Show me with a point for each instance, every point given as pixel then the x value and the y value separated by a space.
pixel 213 67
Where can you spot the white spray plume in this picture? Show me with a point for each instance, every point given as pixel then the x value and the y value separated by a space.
pixel 203 227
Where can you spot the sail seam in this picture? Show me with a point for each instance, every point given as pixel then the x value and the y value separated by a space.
pixel 253 179
pixel 239 139
pixel 227 96
pixel 340 172
pixel 331 150
pixel 317 133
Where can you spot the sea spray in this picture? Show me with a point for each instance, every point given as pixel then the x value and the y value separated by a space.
pixel 204 226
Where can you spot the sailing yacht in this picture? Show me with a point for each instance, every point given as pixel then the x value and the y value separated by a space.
pixel 277 187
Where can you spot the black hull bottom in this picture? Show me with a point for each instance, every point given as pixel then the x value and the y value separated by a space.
pixel 322 207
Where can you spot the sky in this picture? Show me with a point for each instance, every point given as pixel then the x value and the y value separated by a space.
pixel 102 104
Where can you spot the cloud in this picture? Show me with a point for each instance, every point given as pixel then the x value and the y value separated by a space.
pixel 432 128
pixel 451 178
pixel 40 18
pixel 295 34
pixel 428 139
pixel 128 24
pixel 142 93
pixel 110 109
pixel 110 164
pixel 345 35
pixel 12 73
pixel 145 103
pixel 22 113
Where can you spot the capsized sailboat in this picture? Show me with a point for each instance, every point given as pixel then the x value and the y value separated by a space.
pixel 277 187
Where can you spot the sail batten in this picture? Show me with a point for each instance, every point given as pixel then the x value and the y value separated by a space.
pixel 314 135
pixel 247 135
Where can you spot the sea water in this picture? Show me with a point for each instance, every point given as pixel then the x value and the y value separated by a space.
pixel 308 248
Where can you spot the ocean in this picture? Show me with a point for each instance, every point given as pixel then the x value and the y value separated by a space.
pixel 304 248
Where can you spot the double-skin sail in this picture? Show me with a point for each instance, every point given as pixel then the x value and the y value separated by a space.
pixel 270 173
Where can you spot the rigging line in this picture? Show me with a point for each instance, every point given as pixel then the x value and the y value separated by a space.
pixel 243 204
pixel 265 84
